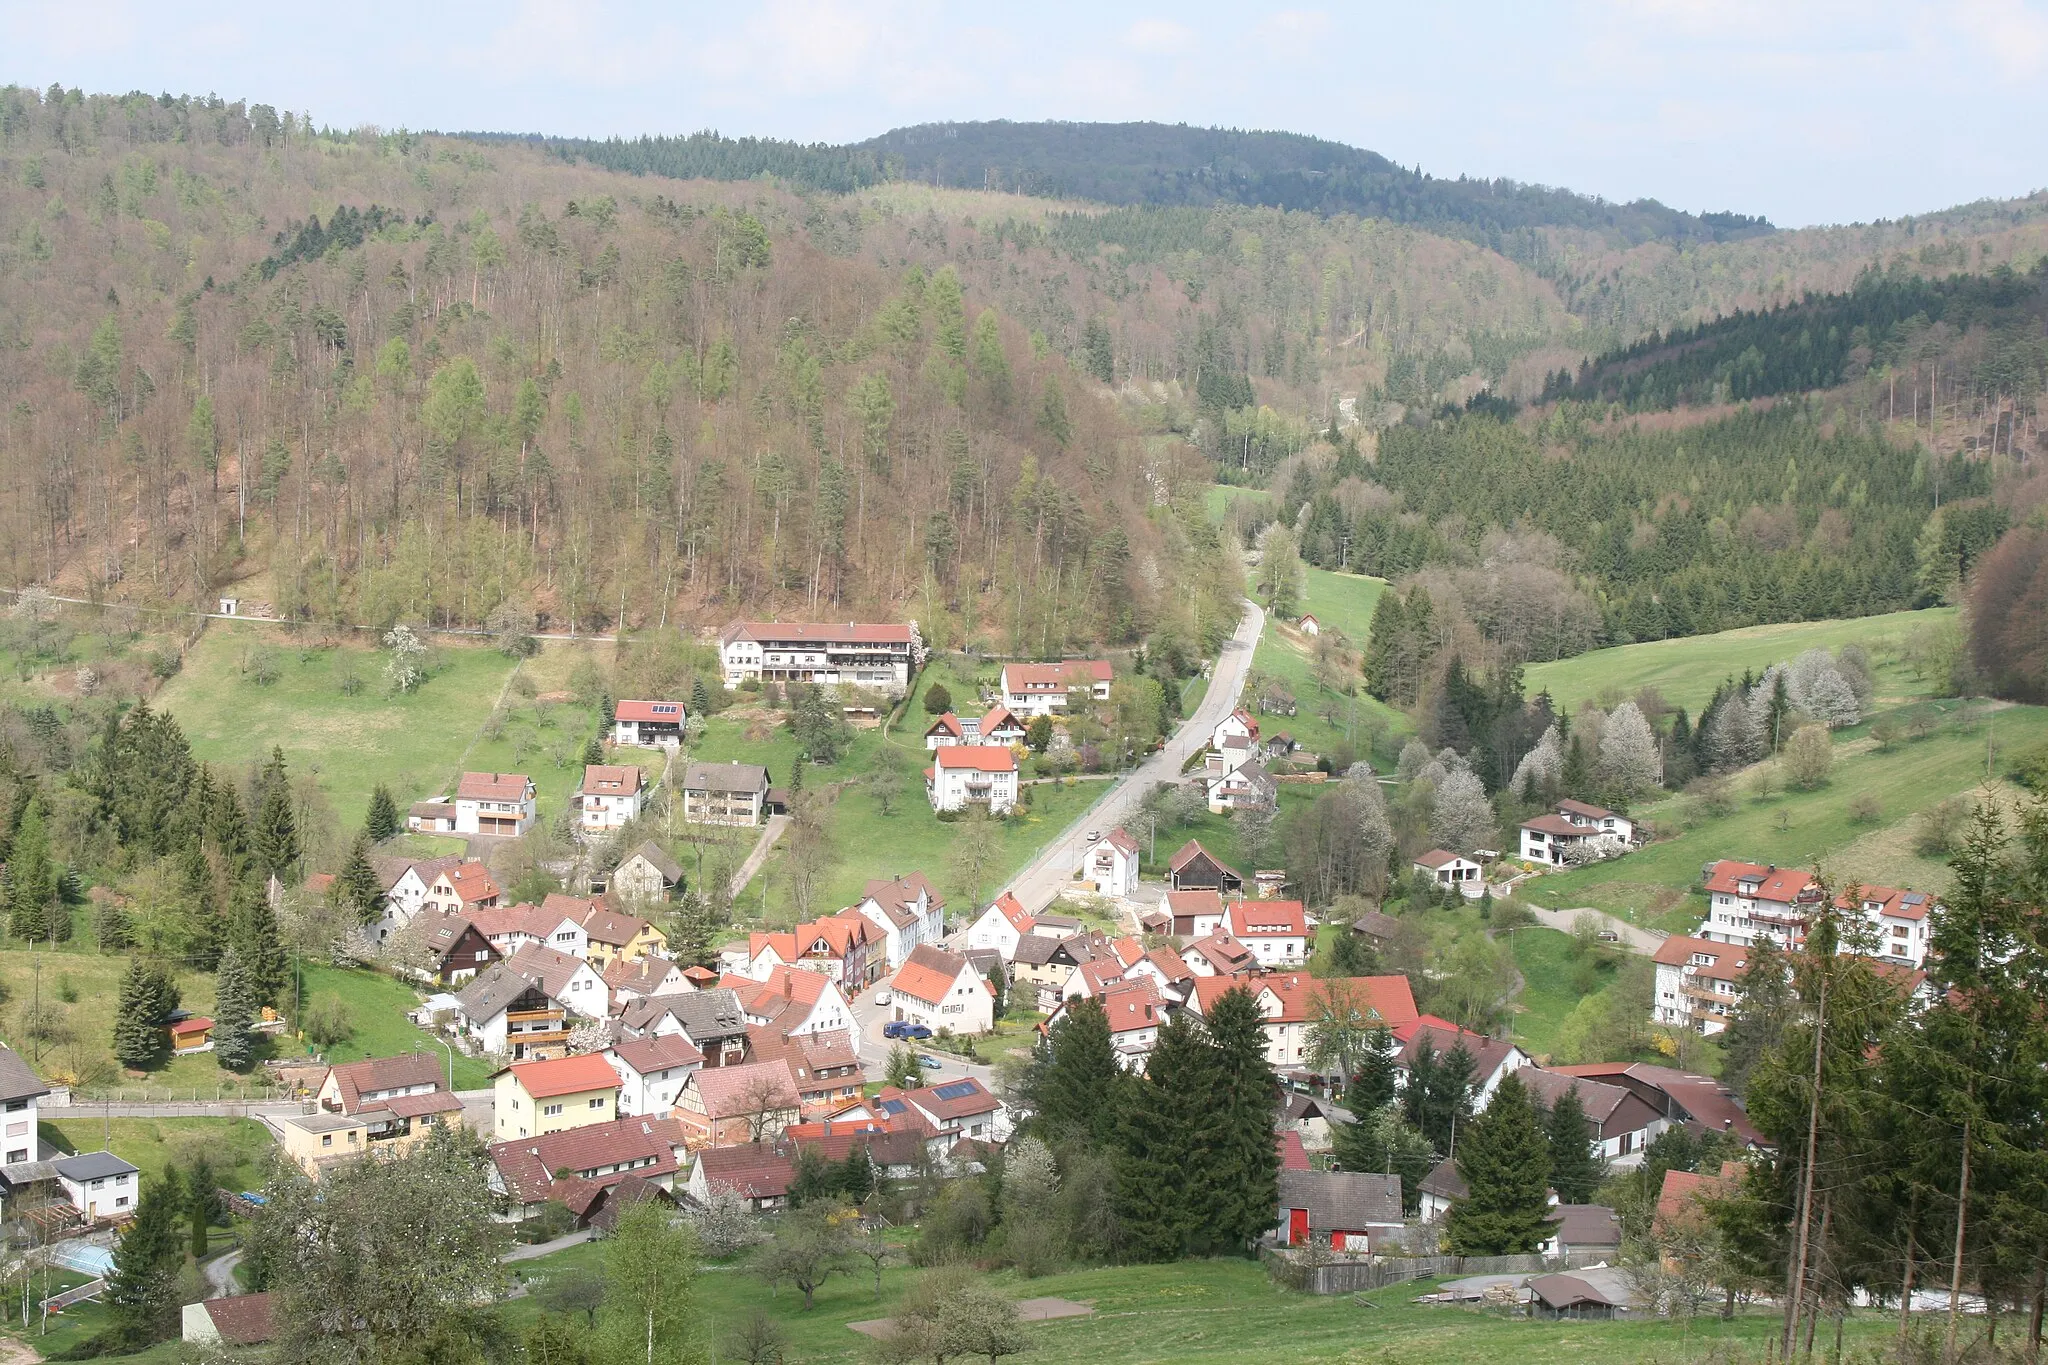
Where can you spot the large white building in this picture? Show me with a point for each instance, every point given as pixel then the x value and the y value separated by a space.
pixel 1042 689
pixel 875 656
pixel 609 797
pixel 1697 983
pixel 965 775
pixel 1746 902
pixel 494 803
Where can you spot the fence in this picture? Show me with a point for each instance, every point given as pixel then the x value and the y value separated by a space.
pixel 1353 1277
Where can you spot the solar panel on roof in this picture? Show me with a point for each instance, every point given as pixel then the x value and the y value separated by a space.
pixel 893 1106
pixel 958 1090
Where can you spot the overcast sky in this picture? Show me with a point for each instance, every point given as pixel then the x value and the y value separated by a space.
pixel 1807 111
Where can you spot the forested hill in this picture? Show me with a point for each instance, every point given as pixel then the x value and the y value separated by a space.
pixel 1165 164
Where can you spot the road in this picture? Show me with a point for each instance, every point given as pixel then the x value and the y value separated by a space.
pixel 762 847
pixel 875 1049
pixel 1052 871
pixel 1644 941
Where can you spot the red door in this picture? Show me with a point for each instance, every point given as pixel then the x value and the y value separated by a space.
pixel 1297 1226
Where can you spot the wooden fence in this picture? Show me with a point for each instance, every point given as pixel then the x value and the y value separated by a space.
pixel 1353 1277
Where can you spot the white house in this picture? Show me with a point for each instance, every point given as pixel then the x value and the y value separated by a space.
pixel 1275 931
pixel 1237 725
pixel 1111 862
pixel 1697 983
pixel 941 991
pixel 1897 920
pixel 1000 927
pixel 610 796
pixel 1746 901
pixel 943 731
pixel 1196 914
pixel 1290 1003
pixel 965 775
pixel 1042 689
pixel 1446 869
pixel 908 910
pixel 874 656
pixel 1248 784
pixel 405 882
pixel 961 1109
pixel 20 1090
pixel 648 724
pixel 651 1072
pixel 793 1001
pixel 1308 625
pixel 494 803
pixel 98 1184
pixel 997 727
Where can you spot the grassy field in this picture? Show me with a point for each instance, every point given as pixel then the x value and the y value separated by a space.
pixel 1343 602
pixel 1805 829
pixel 377 1008
pixel 1221 1310
pixel 1544 957
pixel 1686 671
pixel 238 1149
pixel 1326 720
pixel 1218 834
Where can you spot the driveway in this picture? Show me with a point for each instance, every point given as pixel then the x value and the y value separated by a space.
pixel 875 1049
pixel 1052 871
pixel 1633 938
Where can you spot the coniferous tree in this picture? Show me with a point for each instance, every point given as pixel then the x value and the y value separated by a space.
pixel 1438 1096
pixel 1505 1160
pixel 208 917
pixel 1381 1140
pixel 383 822
pixel 700 696
pixel 234 1012
pixel 1373 1089
pixel 145 1005
pixel 252 931
pixel 142 1288
pixel 1076 1083
pixel 1575 1171
pixel 1764 1007
pixel 1162 1140
pixel 276 834
pixel 593 750
pixel 357 886
pixel 32 879
pixel 202 1201
pixel 1243 1179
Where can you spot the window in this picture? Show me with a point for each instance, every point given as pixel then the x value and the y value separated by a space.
pixel 16 1106
pixel 327 1139
pixel 122 1202
pixel 597 1102
pixel 551 1110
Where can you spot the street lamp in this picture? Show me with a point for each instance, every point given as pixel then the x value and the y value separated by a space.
pixel 450 1050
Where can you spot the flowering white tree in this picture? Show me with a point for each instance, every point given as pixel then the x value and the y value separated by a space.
pixel 1629 759
pixel 1832 701
pixel 1541 771
pixel 407 668
pixel 1461 818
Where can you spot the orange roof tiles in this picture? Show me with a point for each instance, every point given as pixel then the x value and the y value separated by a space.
pixel 986 758
pixel 929 973
pixel 564 1075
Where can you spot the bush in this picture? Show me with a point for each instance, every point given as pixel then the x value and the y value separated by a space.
pixel 1940 827
pixel 1809 757
pixel 327 1021
pixel 2030 768
pixel 1866 809
pixel 937 700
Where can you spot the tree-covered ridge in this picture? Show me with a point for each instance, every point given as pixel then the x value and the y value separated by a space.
pixel 1826 339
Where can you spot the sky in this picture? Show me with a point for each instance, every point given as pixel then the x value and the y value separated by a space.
pixel 1806 111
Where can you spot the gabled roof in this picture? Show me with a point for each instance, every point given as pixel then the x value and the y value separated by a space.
pixel 670 870
pixel 1570 807
pixel 1041 678
pixel 241 1319
pixel 1223 953
pixel 1120 840
pixel 1251 919
pixel 1893 902
pixel 1436 857
pixel 1182 904
pixel 407 1069
pixel 646 1055
pixel 1557 824
pixel 492 787
pixel 1595 1286
pixel 897 896
pixel 1683 1188
pixel 1444 1182
pixel 1376 924
pixel 1781 884
pixel 1012 910
pixel 664 712
pixel 1133 1005
pixel 1598 1099
pixel 1342 1201
pixel 929 973
pixel 1487 1053
pixel 610 779
pixel 546 968
pixel 1586 1225
pixel 752 1169
pixel 1702 1099
pixel 999 717
pixel 1193 849
pixel 1300 995
pixel 946 724
pixel 1171 964
pixel 472 882
pixel 782 988
pixel 1293 1156
pixel 391 871
pixel 747 778
pixel 647 1146
pixel 1727 961
pixel 498 921
pixel 644 975
pixel 491 991
pixel 984 758
pixel 564 1075
pixel 17 1080
pixel 951 1101
pixel 704 1015
pixel 736 1091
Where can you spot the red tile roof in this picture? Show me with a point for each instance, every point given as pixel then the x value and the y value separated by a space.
pixel 670 712
pixel 1293 1156
pixel 985 758
pixel 1041 678
pixel 959 1102
pixel 473 884
pixel 1299 993
pixel 998 718
pixel 813 632
pixel 929 973
pixel 1013 910
pixel 645 1147
pixel 1893 902
pixel 947 724
pixel 1436 857
pixel 1224 953
pixel 492 787
pixel 1268 919
pixel 732 1091
pixel 753 1169
pixel 407 1069
pixel 1192 904
pixel 564 1075
pixel 610 779
pixel 1780 884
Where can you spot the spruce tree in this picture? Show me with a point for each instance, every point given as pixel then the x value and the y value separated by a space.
pixel 1076 1082
pixel 1243 1179
pixel 700 696
pixel 357 886
pixel 1372 1089
pixel 252 932
pixel 382 822
pixel 146 1001
pixel 1575 1172
pixel 1505 1160
pixel 276 836
pixel 202 1201
pixel 234 1012
pixel 207 915
pixel 1163 1137
pixel 142 1288
pixel 32 880
pixel 593 750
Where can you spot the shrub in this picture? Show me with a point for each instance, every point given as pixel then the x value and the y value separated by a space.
pixel 327 1021
pixel 1866 809
pixel 1940 827
pixel 1809 757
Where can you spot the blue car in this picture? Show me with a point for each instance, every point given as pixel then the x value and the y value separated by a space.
pixel 929 1063
pixel 903 1028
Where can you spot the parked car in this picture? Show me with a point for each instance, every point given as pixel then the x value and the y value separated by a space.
pixel 882 997
pixel 928 1062
pixel 1094 836
pixel 911 1030
pixel 1609 936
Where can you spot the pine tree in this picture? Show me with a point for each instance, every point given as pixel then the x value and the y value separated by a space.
pixel 234 1012
pixel 593 750
pixel 146 1001
pixel 1505 1160
pixel 208 917
pixel 1575 1171
pixel 252 932
pixel 1372 1089
pixel 32 881
pixel 1162 1138
pixel 276 841
pixel 357 885
pixel 202 1201
pixel 142 1288
pixel 1076 1083
pixel 1243 1185
pixel 700 696
pixel 383 822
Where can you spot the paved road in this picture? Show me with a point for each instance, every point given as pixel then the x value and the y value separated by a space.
pixel 537 1250
pixel 1052 871
pixel 220 1274
pixel 875 1049
pixel 769 834
pixel 1636 940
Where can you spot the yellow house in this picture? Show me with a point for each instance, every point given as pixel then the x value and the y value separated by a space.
pixel 618 937
pixel 535 1098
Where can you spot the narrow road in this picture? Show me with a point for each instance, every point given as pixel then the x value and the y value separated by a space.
pixel 1043 878
pixel 220 1274
pixel 1636 940
pixel 762 846
pixel 875 1049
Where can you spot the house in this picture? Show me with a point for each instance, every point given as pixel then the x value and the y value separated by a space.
pixel 1575 832
pixel 451 950
pixel 645 876
pixel 504 1011
pixel 531 1099
pixel 610 796
pixel 464 886
pixel 1046 924
pixel 569 980
pixel 190 1033
pixel 398 1099
pixel 20 1091
pixel 732 793
pixel 1289 1003
pixel 1111 863
pixel 1136 1010
pixel 1194 868
pixel 878 657
pixel 651 1071
pixel 1377 927
pixel 1311 1118
pixel 1196 914
pixel 528 1172
pixel 712 1020
pixel 1237 725
pixel 494 803
pixel 1440 1189
pixel 98 1184
pixel 1248 784
pixel 1000 927
pixel 941 991
pixel 1492 1058
pixel 609 934
pixel 508 928
pixel 320 1139
pixel 751 1102
pixel 1279 745
pixel 404 882
pixel 1583 1230
pixel 1619 1122
pixel 755 1171
pixel 965 775
pixel 908 910
pixel 1233 753
pixel 1042 689
pixel 846 947
pixel 1041 966
pixel 999 726
pixel 435 815
pixel 825 1067
pixel 794 1002
pixel 1598 819
pixel 960 1109
pixel 1308 625
pixel 1746 902
pixel 1701 1103
pixel 648 975
pixel 895 1147
pixel 1685 1194
pixel 1275 931
pixel 943 731
pixel 1896 920
pixel 1219 955
pixel 648 724
pixel 1697 983
pixel 1447 871
pixel 237 1320
pixel 1352 1211
pixel 1595 1292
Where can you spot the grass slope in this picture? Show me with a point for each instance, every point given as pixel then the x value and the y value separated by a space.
pixel 1327 720
pixel 377 1008
pixel 1687 670
pixel 238 1149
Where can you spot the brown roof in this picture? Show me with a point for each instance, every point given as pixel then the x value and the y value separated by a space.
pixel 1701 1099
pixel 812 632
pixel 753 1169
pixel 1342 1201
pixel 1193 849
pixel 610 779
pixel 1557 824
pixel 952 1100
pixel 1781 884
pixel 670 870
pixel 383 1073
pixel 241 1319
pixel 644 1146
pixel 645 1055
pixel 391 870
pixel 1223 953
pixel 1057 677
pixel 642 976
pixel 1487 1053
pixel 748 778
pixel 732 1091
pixel 545 967
pixel 1436 857
pixel 492 787
pixel 1586 1225
pixel 603 924
pixel 1375 924
pixel 1599 1100
pixel 1570 807
pixel 17 1081
pixel 1444 1182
